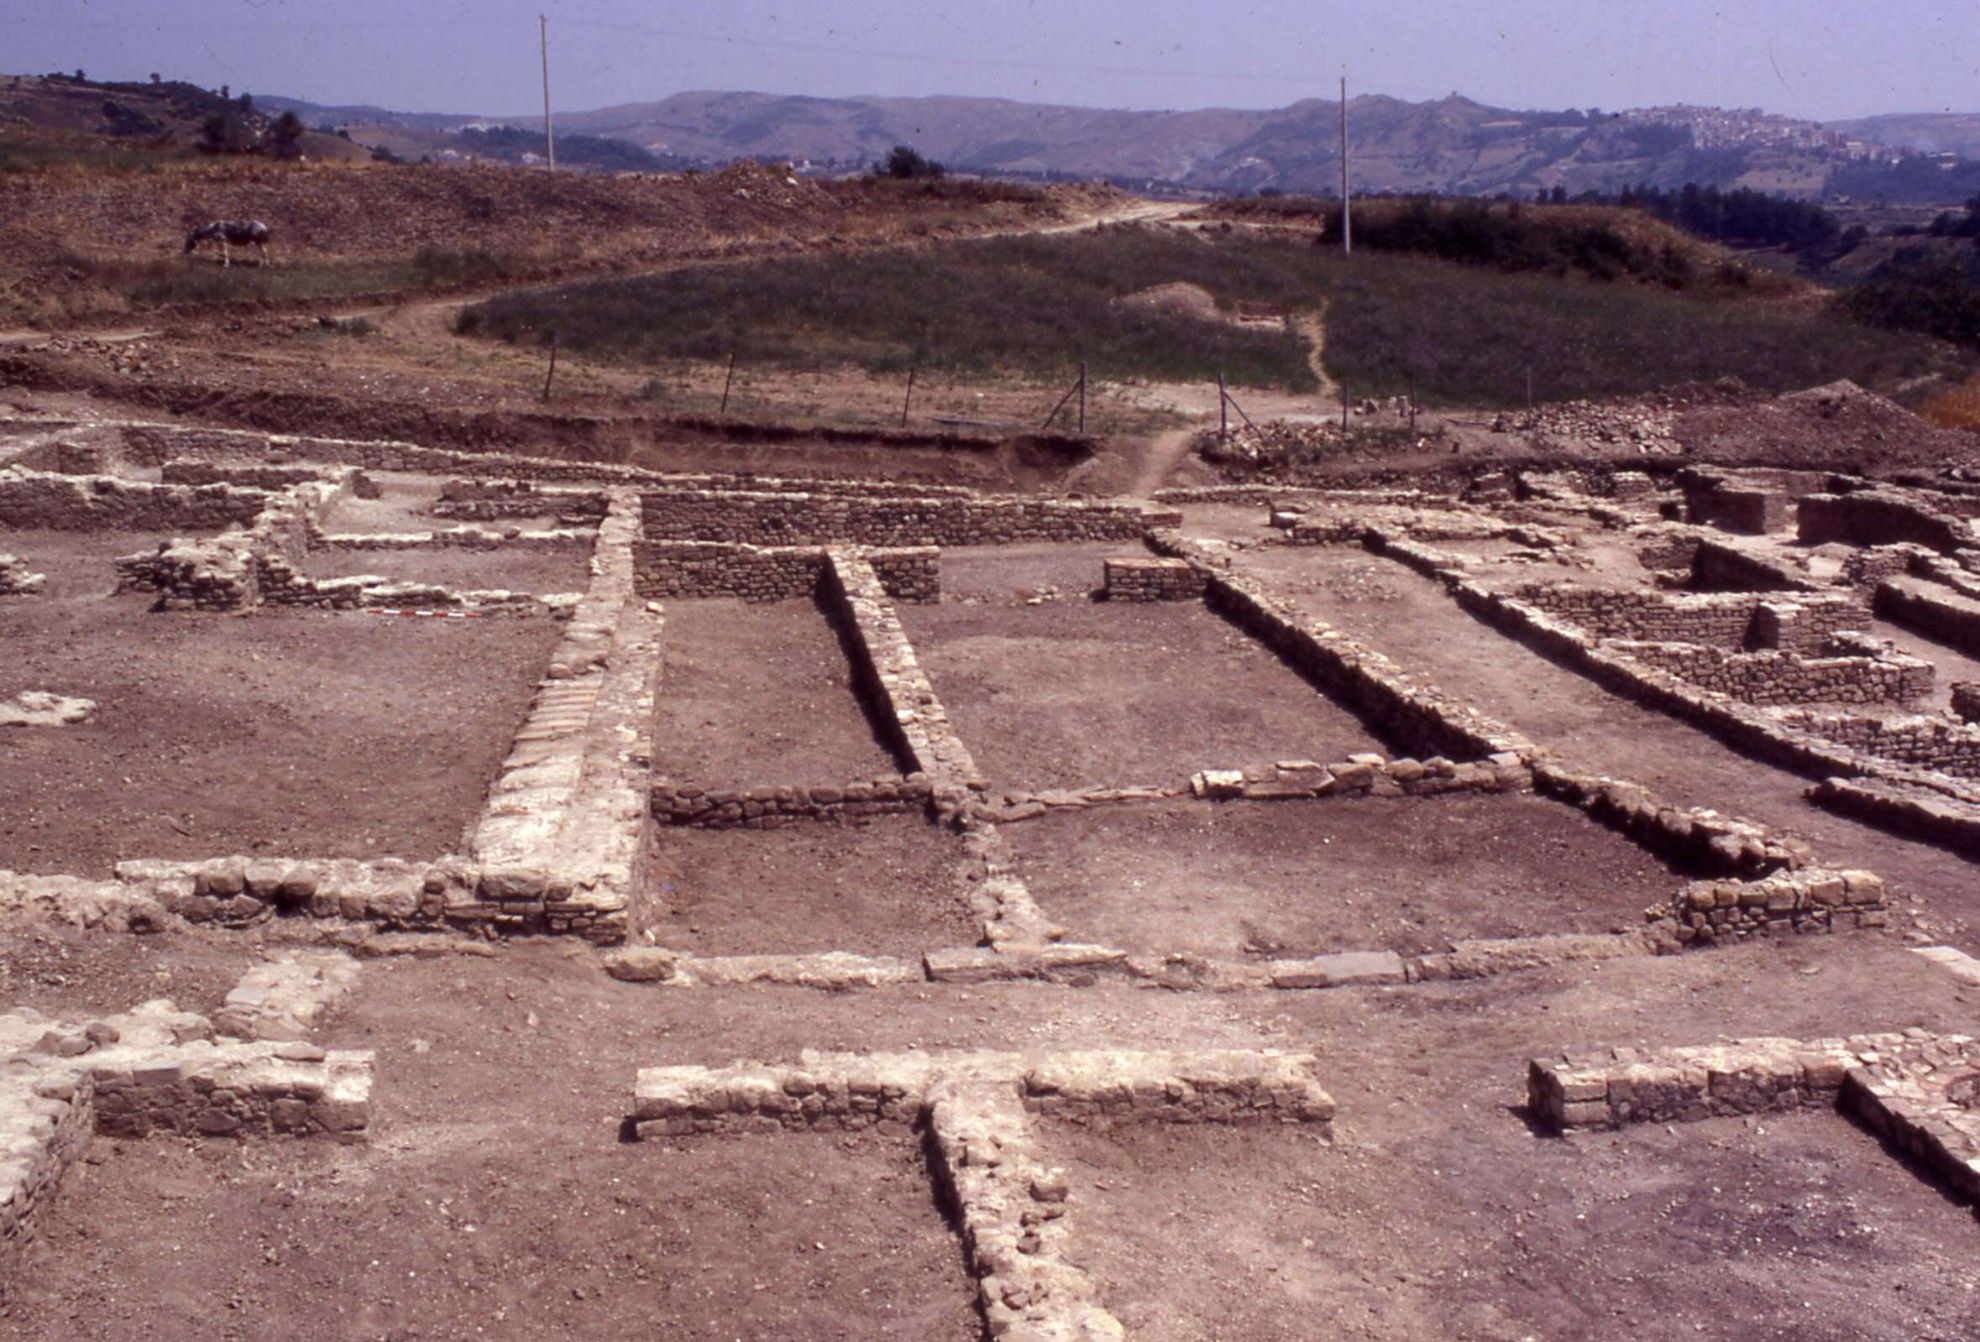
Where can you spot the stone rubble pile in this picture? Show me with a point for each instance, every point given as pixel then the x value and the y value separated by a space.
pixel 16 579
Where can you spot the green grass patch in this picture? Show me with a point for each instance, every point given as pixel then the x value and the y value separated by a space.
pixel 1037 305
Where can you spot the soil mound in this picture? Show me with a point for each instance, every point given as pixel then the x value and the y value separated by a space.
pixel 1839 426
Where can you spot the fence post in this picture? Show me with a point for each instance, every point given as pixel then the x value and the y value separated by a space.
pixel 908 399
pixel 1082 396
pixel 1223 408
pixel 549 376
pixel 728 379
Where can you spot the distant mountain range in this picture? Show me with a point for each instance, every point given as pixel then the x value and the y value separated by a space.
pixel 1453 145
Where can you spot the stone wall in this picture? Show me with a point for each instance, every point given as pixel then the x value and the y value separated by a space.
pixel 1719 567
pixel 852 1091
pixel 1700 841
pixel 1358 776
pixel 1410 715
pixel 189 471
pixel 562 839
pixel 772 807
pixel 34 499
pixel 1151 579
pixel 1938 614
pixel 486 500
pixel 891 676
pixel 779 518
pixel 154 1069
pixel 1728 621
pixel 1733 502
pixel 1882 517
pixel 1951 748
pixel 1788 678
pixel 666 569
pixel 1911 1088
pixel 1799 901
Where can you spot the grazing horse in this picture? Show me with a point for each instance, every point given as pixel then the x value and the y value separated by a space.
pixel 237 232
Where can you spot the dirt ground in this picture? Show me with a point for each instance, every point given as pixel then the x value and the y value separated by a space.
pixel 1074 694
pixel 888 886
pixel 285 733
pixel 1308 878
pixel 1014 574
pixel 1435 1213
pixel 761 694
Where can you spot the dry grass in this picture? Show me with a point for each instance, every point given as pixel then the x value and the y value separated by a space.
pixel 1958 408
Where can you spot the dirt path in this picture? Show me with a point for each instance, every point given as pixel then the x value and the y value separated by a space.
pixel 1313 326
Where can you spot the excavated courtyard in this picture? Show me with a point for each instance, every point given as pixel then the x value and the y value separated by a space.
pixel 590 900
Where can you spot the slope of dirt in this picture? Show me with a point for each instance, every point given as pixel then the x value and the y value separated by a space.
pixel 1837 427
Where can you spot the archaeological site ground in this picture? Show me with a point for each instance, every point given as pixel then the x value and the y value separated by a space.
pixel 791 848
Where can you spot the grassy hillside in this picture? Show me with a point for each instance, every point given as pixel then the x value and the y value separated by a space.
pixel 1037 305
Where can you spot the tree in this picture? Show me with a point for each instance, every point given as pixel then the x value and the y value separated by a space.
pixel 905 163
pixel 287 138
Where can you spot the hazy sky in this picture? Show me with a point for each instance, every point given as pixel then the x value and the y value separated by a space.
pixel 1815 58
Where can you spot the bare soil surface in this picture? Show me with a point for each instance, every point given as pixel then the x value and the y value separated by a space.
pixel 1409 617
pixel 68 973
pixel 1015 574
pixel 887 886
pixel 1435 1206
pixel 1072 694
pixel 1307 878
pixel 761 694
pixel 285 733
pixel 1798 1227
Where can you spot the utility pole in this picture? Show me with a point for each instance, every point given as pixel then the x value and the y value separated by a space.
pixel 1347 208
pixel 549 140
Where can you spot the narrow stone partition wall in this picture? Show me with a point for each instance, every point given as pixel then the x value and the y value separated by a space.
pixel 561 839
pixel 1914 1089
pixel 979 1110
pixel 928 743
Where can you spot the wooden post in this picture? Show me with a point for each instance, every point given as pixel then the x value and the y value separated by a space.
pixel 1223 408
pixel 1344 406
pixel 1082 396
pixel 551 375
pixel 1412 403
pixel 549 139
pixel 1529 389
pixel 727 380
pixel 909 398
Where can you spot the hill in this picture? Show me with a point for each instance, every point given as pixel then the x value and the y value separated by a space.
pixel 1924 132
pixel 1453 145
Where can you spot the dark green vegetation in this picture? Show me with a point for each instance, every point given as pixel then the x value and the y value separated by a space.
pixel 1464 335
pixel 1742 217
pixel 147 284
pixel 907 162
pixel 510 143
pixel 1920 289
pixel 1557 237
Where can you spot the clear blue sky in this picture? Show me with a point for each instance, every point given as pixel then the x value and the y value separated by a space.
pixel 1810 58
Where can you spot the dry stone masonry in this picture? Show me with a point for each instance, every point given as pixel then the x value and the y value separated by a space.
pixel 981 1111
pixel 154 1069
pixel 1918 1091
pixel 564 833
